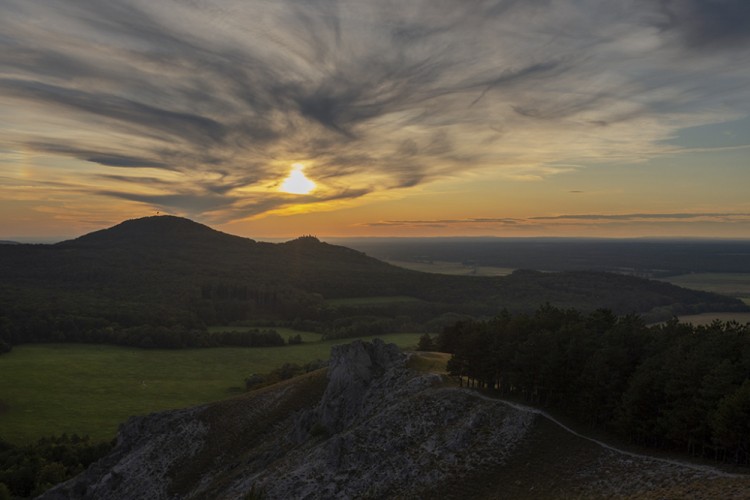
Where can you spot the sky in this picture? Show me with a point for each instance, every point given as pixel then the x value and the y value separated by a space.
pixel 276 118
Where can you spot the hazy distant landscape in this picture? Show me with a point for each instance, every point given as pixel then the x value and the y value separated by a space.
pixel 714 266
pixel 641 256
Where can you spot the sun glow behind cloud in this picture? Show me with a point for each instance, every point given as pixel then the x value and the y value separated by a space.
pixel 297 182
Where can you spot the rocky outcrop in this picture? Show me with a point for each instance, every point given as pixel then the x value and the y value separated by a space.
pixel 387 431
pixel 147 448
pixel 353 375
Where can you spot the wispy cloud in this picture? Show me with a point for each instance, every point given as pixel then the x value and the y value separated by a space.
pixel 577 219
pixel 646 216
pixel 223 96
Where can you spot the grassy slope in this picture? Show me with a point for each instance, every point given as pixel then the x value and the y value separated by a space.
pixel 90 389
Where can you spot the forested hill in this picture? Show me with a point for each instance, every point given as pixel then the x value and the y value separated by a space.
pixel 169 270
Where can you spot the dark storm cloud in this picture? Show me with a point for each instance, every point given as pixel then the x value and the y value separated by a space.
pixel 186 126
pixel 191 203
pixel 101 157
pixel 139 180
pixel 709 23
pixel 374 94
pixel 125 161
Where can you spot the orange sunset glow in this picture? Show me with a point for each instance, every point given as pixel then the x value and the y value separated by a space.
pixel 562 119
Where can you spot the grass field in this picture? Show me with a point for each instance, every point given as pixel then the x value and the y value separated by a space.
pixel 49 389
pixel 731 284
pixel 454 268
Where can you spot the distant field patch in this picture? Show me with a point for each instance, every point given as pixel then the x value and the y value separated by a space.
pixel 453 268
pixel 372 301
pixel 433 362
pixel 730 284
pixel 708 318
pixel 90 389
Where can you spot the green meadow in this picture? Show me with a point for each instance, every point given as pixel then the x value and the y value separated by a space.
pixel 48 389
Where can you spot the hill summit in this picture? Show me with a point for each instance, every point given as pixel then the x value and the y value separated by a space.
pixel 153 230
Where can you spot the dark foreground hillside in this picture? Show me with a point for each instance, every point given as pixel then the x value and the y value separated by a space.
pixel 371 427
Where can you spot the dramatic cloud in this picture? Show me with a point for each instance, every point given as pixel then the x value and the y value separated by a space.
pixel 201 107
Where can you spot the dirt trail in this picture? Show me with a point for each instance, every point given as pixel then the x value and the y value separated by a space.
pixel 698 467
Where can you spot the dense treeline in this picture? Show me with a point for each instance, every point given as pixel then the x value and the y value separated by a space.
pixel 672 386
pixel 38 327
pixel 29 470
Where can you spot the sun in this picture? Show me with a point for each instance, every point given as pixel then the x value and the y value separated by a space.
pixel 297 183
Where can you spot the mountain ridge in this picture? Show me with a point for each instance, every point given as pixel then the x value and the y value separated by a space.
pixel 164 271
pixel 152 229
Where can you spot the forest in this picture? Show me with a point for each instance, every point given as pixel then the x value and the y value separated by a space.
pixel 27 471
pixel 673 385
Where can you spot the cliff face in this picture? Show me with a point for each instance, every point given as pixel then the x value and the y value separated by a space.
pixel 369 427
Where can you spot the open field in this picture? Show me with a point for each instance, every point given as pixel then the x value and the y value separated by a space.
pixel 708 318
pixel 454 268
pixel 49 389
pixel 731 284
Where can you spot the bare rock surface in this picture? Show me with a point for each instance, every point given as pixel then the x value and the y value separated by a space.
pixel 146 450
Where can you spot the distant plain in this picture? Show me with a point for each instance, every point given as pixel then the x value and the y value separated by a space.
pixel 731 284
pixel 453 268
